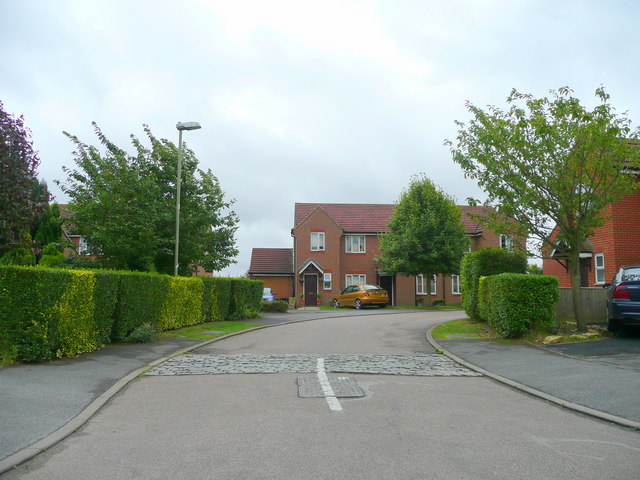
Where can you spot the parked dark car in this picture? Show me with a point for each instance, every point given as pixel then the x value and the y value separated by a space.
pixel 623 298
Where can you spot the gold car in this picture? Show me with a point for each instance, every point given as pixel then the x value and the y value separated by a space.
pixel 360 295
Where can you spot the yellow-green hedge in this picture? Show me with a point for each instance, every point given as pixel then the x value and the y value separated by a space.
pixel 47 313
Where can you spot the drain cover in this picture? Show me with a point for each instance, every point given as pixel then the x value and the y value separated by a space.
pixel 343 387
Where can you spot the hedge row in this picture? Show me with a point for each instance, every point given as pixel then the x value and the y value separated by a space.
pixel 51 313
pixel 482 263
pixel 515 303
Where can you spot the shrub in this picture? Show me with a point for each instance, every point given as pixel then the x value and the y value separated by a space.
pixel 485 262
pixel 142 334
pixel 216 297
pixel 46 313
pixel 105 296
pixel 514 304
pixel 18 256
pixel 246 298
pixel 277 306
pixel 183 303
pixel 141 299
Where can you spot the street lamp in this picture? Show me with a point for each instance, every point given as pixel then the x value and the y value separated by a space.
pixel 180 126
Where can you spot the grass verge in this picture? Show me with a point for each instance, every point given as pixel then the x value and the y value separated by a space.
pixel 468 329
pixel 207 331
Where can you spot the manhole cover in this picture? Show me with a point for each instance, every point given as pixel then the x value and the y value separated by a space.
pixel 343 387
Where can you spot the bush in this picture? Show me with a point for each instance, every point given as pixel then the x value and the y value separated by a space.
pixel 246 299
pixel 18 256
pixel 485 262
pixel 142 334
pixel 277 306
pixel 105 297
pixel 514 304
pixel 216 297
pixel 141 299
pixel 182 305
pixel 46 313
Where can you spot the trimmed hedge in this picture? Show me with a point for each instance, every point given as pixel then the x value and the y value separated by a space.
pixel 514 304
pixel 277 306
pixel 141 299
pixel 182 305
pixel 482 263
pixel 216 297
pixel 47 313
pixel 246 298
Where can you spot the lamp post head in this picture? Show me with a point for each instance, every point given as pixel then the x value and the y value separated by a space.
pixel 188 126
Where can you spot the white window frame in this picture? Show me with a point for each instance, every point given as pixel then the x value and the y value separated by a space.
pixel 455 285
pixel 326 281
pixel 354 279
pixel 83 246
pixel 319 241
pixel 421 285
pixel 599 268
pixel 506 241
pixel 351 246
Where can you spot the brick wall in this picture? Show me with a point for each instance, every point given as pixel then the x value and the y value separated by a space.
pixel 282 286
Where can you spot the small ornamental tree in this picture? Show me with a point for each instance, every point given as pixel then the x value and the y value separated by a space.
pixel 426 235
pixel 550 163
pixel 21 198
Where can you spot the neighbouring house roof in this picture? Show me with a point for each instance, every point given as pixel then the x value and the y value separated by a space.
pixel 374 218
pixel 271 261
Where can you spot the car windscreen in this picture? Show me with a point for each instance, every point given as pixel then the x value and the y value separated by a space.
pixel 631 275
pixel 371 287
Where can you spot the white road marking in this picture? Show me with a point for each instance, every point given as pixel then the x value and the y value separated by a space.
pixel 329 394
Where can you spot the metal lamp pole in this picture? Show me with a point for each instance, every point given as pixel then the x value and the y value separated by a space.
pixel 180 126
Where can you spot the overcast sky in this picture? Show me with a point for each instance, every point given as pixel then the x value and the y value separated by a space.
pixel 302 101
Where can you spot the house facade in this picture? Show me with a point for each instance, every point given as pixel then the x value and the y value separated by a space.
pixel 336 245
pixel 614 244
pixel 274 267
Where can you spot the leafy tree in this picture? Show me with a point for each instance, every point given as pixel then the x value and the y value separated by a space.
pixel 534 269
pixel 21 198
pixel 550 163
pixel 125 207
pixel 425 234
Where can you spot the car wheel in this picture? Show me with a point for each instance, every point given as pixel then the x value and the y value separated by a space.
pixel 612 325
pixel 358 304
pixel 336 303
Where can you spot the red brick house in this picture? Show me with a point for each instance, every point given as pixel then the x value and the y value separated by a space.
pixel 614 244
pixel 335 245
pixel 274 266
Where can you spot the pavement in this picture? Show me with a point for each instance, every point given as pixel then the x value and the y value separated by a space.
pixel 42 403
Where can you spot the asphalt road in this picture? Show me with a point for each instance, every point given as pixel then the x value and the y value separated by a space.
pixel 255 426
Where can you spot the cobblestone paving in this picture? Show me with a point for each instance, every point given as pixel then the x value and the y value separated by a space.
pixel 431 365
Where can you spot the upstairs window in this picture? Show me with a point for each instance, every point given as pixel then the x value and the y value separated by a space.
pixel 599 259
pixel 355 244
pixel 506 241
pixel 317 241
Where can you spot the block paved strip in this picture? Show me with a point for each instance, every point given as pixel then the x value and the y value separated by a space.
pixel 431 365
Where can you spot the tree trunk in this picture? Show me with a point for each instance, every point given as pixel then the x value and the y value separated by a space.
pixel 576 292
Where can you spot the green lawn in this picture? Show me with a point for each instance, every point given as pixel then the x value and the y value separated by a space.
pixel 464 326
pixel 209 330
